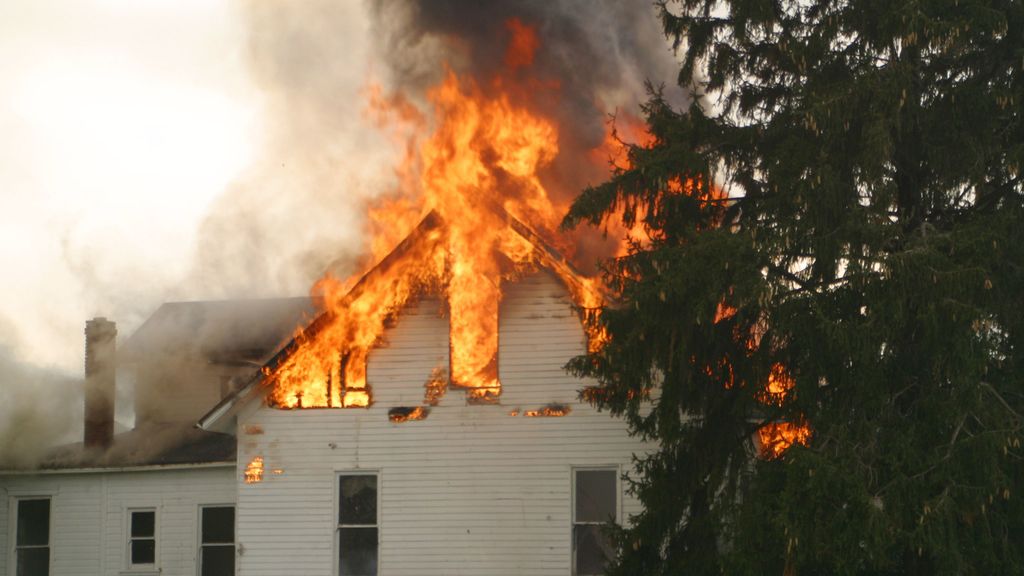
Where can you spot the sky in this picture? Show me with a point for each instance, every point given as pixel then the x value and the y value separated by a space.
pixel 126 128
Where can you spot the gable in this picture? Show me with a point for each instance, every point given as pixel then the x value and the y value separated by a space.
pixel 325 364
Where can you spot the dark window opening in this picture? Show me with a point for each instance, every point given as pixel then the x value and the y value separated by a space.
pixel 142 538
pixel 596 504
pixel 358 534
pixel 32 538
pixel 217 541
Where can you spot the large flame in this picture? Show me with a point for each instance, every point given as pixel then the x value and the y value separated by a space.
pixel 461 180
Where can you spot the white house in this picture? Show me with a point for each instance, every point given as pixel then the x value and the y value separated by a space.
pixel 420 482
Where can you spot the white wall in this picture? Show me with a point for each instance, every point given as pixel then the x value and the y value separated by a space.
pixel 469 490
pixel 89 512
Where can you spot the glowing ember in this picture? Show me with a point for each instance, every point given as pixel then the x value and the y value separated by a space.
pixel 254 470
pixel 551 410
pixel 399 415
pixel 435 387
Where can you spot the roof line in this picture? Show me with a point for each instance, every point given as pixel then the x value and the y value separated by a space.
pixel 548 257
pixel 100 469
pixel 227 405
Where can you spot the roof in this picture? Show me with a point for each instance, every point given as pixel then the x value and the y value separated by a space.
pixel 161 444
pixel 221 331
pixel 546 256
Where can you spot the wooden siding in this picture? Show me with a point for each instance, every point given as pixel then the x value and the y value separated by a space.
pixel 472 489
pixel 89 516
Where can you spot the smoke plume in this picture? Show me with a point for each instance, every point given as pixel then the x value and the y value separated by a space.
pixel 39 407
pixel 302 205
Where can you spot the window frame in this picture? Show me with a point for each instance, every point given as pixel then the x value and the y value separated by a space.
pixel 336 520
pixel 616 469
pixel 14 503
pixel 199 535
pixel 141 568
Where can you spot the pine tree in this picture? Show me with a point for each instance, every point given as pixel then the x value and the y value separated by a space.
pixel 841 210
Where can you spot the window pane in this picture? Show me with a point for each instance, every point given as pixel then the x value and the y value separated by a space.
pixel 592 548
pixel 143 551
pixel 33 562
pixel 358 501
pixel 33 522
pixel 357 549
pixel 143 524
pixel 218 561
pixel 596 495
pixel 219 525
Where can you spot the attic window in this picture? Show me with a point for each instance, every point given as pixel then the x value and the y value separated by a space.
pixel 473 346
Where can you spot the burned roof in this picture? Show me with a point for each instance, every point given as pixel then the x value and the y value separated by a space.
pixel 157 444
pixel 220 331
pixel 546 256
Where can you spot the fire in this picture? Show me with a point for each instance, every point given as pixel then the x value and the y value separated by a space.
pixel 254 470
pixel 549 411
pixel 471 197
pixel 775 438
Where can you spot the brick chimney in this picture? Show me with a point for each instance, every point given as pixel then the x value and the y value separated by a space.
pixel 100 349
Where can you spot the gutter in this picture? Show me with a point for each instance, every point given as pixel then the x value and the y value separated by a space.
pixel 119 469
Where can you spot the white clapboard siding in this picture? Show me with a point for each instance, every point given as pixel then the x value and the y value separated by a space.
pixel 469 490
pixel 89 515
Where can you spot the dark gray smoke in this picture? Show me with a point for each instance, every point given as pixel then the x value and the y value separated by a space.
pixel 599 52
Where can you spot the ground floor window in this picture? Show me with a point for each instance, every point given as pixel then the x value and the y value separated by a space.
pixel 142 538
pixel 595 503
pixel 32 537
pixel 217 541
pixel 358 529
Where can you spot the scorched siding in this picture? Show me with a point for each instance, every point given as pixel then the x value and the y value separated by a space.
pixel 88 515
pixel 469 490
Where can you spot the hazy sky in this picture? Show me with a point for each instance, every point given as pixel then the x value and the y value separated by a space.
pixel 121 122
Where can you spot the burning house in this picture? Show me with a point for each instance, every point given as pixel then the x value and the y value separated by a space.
pixel 415 418
pixel 377 460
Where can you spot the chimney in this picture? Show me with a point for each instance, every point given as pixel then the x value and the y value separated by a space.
pixel 100 346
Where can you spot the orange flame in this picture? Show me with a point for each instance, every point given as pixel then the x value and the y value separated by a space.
pixel 254 470
pixel 480 161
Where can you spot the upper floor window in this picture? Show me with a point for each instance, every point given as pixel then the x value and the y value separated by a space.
pixel 32 537
pixel 217 541
pixel 595 503
pixel 142 538
pixel 357 525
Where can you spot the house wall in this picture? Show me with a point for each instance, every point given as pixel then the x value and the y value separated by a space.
pixel 89 516
pixel 472 489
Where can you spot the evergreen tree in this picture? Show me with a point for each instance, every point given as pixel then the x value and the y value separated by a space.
pixel 834 239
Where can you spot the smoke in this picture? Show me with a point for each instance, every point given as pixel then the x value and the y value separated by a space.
pixel 302 205
pixel 299 206
pixel 593 56
pixel 39 407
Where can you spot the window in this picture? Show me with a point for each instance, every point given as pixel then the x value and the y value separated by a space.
pixel 217 541
pixel 357 525
pixel 596 502
pixel 142 538
pixel 32 537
